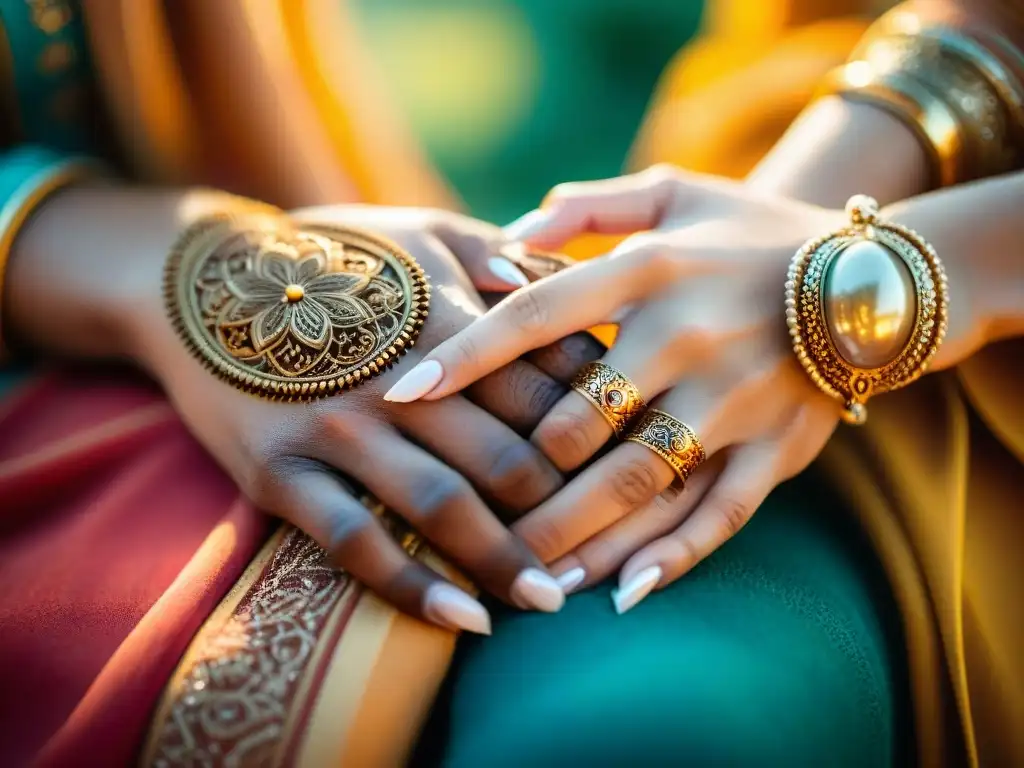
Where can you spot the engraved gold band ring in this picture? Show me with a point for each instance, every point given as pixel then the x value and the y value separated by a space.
pixel 671 439
pixel 611 392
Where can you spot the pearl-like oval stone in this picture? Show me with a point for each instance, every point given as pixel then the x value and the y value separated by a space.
pixel 870 304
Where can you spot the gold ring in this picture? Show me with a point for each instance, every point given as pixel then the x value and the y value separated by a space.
pixel 611 392
pixel 671 439
pixel 866 307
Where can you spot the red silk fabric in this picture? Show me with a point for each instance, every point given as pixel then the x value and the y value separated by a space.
pixel 118 536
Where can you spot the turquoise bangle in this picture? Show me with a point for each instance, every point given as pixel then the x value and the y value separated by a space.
pixel 28 175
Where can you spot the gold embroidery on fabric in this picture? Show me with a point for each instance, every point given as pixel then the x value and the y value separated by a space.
pixel 231 707
pixel 245 681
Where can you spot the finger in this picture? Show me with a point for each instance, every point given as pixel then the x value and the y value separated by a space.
pixel 440 504
pixel 564 357
pixel 518 394
pixel 479 248
pixel 356 541
pixel 536 316
pixel 626 479
pixel 611 206
pixel 577 427
pixel 600 556
pixel 502 465
pixel 748 478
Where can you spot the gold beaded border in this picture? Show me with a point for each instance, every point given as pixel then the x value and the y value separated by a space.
pixel 254 383
pixel 812 342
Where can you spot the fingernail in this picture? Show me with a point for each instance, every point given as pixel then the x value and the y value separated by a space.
pixel 506 271
pixel 527 225
pixel 451 607
pixel 636 589
pixel 416 383
pixel 571 579
pixel 534 589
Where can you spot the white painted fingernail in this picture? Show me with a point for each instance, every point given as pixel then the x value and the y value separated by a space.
pixel 416 383
pixel 506 271
pixel 527 225
pixel 451 607
pixel 571 579
pixel 535 590
pixel 636 589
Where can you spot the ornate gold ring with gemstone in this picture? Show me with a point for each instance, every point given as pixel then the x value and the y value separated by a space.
pixel 866 307
pixel 293 311
pixel 611 392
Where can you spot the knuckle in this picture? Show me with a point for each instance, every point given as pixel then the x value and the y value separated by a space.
pixel 696 345
pixel 564 436
pixel 576 350
pixel 529 392
pixel 518 472
pixel 336 426
pixel 565 192
pixel 529 311
pixel 465 351
pixel 439 499
pixel 732 514
pixel 545 537
pixel 662 173
pixel 687 554
pixel 650 255
pixel 348 534
pixel 667 502
pixel 633 484
pixel 266 484
pixel 601 556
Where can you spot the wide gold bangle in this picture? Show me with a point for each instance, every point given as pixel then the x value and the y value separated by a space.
pixel 960 98
pixel 866 307
pixel 935 124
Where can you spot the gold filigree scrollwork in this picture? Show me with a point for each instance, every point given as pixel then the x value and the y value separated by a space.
pixel 671 439
pixel 812 339
pixel 611 392
pixel 293 312
pixel 238 696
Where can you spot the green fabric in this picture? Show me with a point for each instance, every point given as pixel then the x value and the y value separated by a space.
pixel 51 74
pixel 510 97
pixel 781 649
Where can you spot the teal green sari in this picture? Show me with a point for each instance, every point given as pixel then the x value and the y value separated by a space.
pixel 783 648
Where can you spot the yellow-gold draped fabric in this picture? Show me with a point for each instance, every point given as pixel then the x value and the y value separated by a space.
pixel 936 475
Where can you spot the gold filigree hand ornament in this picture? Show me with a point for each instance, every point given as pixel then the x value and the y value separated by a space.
pixel 289 311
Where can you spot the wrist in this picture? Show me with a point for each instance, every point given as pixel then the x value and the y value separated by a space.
pixel 85 278
pixel 986 283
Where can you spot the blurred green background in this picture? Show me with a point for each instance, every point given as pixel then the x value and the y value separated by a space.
pixel 510 97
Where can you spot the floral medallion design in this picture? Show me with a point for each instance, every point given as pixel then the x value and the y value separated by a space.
pixel 293 312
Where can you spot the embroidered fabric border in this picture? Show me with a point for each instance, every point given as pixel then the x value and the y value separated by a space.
pixel 232 698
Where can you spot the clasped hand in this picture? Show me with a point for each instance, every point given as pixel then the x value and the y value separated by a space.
pixel 445 467
pixel 697 291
